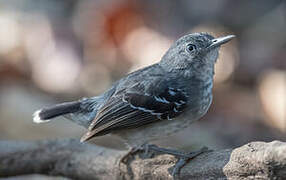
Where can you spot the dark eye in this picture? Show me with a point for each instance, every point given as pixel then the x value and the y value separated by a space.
pixel 191 47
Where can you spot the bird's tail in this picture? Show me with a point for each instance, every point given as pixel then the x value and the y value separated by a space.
pixel 81 112
pixel 45 114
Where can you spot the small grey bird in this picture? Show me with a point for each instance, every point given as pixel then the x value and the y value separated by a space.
pixel 154 102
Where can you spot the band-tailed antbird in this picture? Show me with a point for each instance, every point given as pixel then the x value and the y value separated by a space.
pixel 153 102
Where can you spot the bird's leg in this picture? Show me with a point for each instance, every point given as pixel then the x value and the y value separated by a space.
pixel 182 157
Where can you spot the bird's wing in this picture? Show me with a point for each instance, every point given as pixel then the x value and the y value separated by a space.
pixel 133 107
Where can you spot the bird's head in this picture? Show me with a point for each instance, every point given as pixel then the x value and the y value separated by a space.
pixel 194 51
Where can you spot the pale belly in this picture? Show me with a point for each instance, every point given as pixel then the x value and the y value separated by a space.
pixel 163 129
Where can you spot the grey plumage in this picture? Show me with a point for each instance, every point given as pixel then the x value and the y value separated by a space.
pixel 157 100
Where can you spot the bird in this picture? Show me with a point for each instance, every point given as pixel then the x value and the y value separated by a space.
pixel 154 102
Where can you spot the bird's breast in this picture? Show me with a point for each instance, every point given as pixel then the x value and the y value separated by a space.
pixel 200 97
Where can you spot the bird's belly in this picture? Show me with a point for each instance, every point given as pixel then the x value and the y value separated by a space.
pixel 164 128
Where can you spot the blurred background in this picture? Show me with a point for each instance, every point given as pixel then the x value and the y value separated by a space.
pixel 54 51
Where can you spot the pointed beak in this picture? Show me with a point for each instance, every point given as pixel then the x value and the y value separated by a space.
pixel 219 41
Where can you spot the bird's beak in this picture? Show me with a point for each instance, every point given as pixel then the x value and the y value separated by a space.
pixel 219 41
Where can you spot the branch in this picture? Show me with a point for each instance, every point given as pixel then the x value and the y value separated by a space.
pixel 75 160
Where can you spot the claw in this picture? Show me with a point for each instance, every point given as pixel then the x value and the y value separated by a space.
pixel 130 152
pixel 178 166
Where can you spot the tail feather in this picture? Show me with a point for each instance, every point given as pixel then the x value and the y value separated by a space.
pixel 37 118
pixel 45 114
pixel 81 112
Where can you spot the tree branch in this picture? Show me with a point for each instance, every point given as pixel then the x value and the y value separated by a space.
pixel 75 160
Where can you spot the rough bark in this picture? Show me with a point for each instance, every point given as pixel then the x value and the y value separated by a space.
pixel 71 159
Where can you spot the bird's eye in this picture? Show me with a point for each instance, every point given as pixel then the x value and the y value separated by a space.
pixel 191 47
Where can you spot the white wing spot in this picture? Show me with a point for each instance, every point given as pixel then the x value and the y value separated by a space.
pixel 182 102
pixel 177 104
pixel 156 114
pixel 171 92
pixel 163 100
pixel 175 110
pixel 145 110
pixel 169 119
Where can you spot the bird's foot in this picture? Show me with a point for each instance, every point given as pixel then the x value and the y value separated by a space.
pixel 149 150
pixel 183 158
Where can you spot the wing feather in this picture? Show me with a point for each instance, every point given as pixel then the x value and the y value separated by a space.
pixel 132 110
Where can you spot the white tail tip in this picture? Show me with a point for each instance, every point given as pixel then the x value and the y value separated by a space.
pixel 37 118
